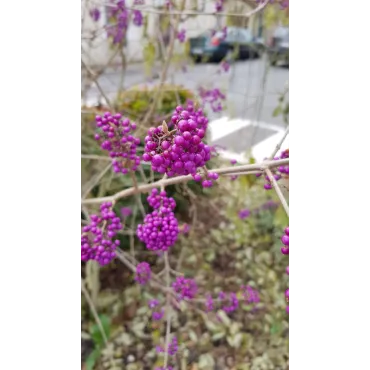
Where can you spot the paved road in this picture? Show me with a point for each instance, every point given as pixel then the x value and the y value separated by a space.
pixel 248 118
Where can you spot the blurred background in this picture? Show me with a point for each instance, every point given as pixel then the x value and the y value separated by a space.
pixel 236 68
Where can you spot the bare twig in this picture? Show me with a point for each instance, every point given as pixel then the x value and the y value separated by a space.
pixel 165 66
pixel 93 311
pixel 180 179
pixel 94 77
pixel 168 310
pixel 137 195
pixel 146 9
pixel 97 157
pixel 96 180
pixel 132 235
pixel 278 190
pixel 278 146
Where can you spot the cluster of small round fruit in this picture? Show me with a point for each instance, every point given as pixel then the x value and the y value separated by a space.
pixel 97 237
pixel 114 136
pixel 181 150
pixel 160 228
pixel 282 171
pixel 285 250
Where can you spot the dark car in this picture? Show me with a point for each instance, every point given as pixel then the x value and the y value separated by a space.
pixel 236 42
pixel 278 49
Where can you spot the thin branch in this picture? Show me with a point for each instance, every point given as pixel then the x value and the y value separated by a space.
pixel 168 310
pixel 244 173
pixel 94 77
pixel 97 157
pixel 180 179
pixel 278 190
pixel 96 180
pixel 137 195
pixel 194 12
pixel 165 66
pixel 93 311
pixel 278 146
pixel 132 235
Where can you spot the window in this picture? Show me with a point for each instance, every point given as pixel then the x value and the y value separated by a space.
pixel 245 35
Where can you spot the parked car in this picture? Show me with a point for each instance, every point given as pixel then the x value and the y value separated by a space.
pixel 236 42
pixel 278 49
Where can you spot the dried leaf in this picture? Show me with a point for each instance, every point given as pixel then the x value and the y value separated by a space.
pixel 164 127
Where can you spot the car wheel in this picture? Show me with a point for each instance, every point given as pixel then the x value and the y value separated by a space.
pixel 196 58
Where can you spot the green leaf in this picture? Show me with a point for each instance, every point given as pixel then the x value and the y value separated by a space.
pixel 91 360
pixel 218 336
pixel 224 318
pixel 95 331
pixel 277 111
pixel 206 361
pixel 281 218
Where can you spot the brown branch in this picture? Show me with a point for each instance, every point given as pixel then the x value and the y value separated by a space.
pixel 180 179
pixel 195 12
pixel 278 190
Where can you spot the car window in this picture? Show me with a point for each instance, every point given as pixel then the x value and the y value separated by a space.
pixel 232 36
pixel 245 35
pixel 282 33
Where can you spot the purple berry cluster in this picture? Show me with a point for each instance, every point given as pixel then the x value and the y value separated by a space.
pixel 181 150
pixel 181 35
pixel 209 303
pixel 244 213
pixel 173 347
pixel 156 315
pixel 225 66
pixel 168 4
pixel 250 295
pixel 229 302
pixel 233 162
pixel 285 250
pixel 160 228
pixel 196 114
pixel 97 237
pixel 285 241
pixel 279 173
pixel 137 18
pixel 95 14
pixel 232 300
pixel 143 273
pixel 270 205
pixel 120 20
pixel 219 5
pixel 213 97
pixel 126 212
pixel 284 169
pixel 185 288
pixel 159 200
pixel 114 136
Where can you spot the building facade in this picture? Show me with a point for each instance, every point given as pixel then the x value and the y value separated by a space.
pixel 97 50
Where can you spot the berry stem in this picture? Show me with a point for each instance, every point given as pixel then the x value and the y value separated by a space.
pixel 278 190
pixel 278 146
